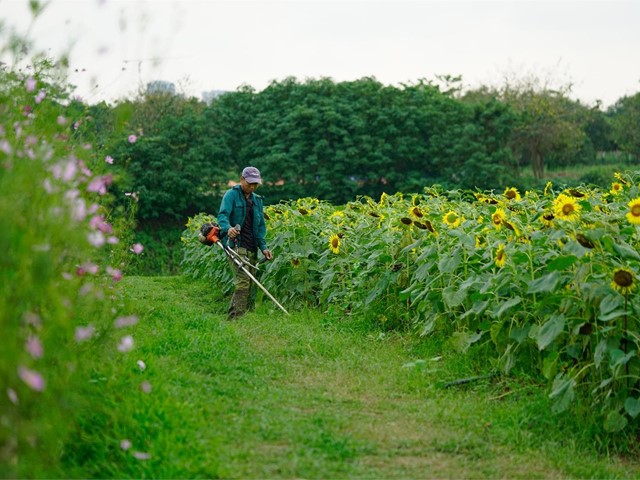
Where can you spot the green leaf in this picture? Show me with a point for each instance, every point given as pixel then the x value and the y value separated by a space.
pixel 463 340
pixel 612 315
pixel 615 422
pixel 632 406
pixel 544 284
pixel 495 331
pixel 519 334
pixel 453 297
pixel 619 358
pixel 550 365
pixel 562 392
pixel 561 263
pixel 449 263
pixel 610 303
pixel 505 307
pixel 550 330
pixel 626 251
pixel 601 352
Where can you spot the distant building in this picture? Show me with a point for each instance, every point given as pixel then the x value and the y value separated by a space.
pixel 160 86
pixel 211 95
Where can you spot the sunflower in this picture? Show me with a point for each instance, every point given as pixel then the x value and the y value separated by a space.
pixel 482 198
pixel 512 193
pixel 337 216
pixel 547 188
pixel 452 219
pixel 334 243
pixel 547 219
pixel 295 262
pixel 577 193
pixel 415 212
pixel 406 221
pixel 501 256
pixel 618 176
pixel 480 241
pixel 584 241
pixel 497 217
pixel 566 208
pixel 616 188
pixel 425 226
pixel 623 281
pixel 634 211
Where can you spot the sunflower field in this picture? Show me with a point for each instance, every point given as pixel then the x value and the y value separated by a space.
pixel 547 278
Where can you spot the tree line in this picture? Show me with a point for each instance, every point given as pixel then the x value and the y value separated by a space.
pixel 338 140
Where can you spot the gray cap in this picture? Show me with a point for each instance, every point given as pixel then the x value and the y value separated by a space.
pixel 251 175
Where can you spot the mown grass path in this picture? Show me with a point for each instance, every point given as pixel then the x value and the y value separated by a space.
pixel 271 396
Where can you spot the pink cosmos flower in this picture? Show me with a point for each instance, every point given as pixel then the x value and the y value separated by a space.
pixel 116 274
pixel 125 444
pixel 76 125
pixel 137 248
pixel 32 378
pixel 34 347
pixel 84 333
pixel 87 267
pixel 100 184
pixel 132 138
pixel 113 240
pixel 5 147
pixel 13 396
pixel 145 387
pixel 129 321
pixel 40 96
pixel 98 222
pixel 109 159
pixel 61 120
pixel 97 239
pixel 30 84
pixel 126 344
pixel 141 365
pixel 79 209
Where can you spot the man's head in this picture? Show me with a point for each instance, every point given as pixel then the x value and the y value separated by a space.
pixel 251 175
pixel 250 180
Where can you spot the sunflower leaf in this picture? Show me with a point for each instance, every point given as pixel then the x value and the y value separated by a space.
pixel 615 422
pixel 561 263
pixel 550 331
pixel 632 406
pixel 562 392
pixel 546 283
pixel 626 251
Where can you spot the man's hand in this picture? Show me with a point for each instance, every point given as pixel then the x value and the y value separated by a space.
pixel 233 233
pixel 267 254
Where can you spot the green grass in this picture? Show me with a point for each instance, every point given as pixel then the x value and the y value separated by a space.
pixel 308 396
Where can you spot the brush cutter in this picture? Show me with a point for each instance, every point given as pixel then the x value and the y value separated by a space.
pixel 210 234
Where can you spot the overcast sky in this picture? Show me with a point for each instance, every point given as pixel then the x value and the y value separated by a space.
pixel 118 45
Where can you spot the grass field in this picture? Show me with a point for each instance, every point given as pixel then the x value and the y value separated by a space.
pixel 306 396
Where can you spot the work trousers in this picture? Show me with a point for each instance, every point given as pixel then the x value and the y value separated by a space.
pixel 244 295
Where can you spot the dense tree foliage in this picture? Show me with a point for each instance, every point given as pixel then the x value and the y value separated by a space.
pixel 338 140
pixel 626 124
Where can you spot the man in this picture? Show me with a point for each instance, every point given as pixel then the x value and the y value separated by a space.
pixel 241 207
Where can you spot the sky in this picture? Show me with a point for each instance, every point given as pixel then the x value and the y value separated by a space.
pixel 117 46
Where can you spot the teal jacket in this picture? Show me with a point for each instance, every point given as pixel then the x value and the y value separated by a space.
pixel 232 211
